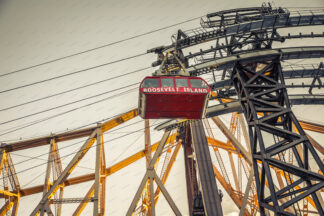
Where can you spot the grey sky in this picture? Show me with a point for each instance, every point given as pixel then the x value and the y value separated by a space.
pixel 36 31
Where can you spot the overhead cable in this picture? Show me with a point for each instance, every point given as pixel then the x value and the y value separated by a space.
pixel 68 111
pixel 63 147
pixel 71 73
pixel 97 48
pixel 74 89
pixel 66 104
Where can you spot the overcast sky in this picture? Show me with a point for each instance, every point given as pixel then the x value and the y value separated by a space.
pixel 34 31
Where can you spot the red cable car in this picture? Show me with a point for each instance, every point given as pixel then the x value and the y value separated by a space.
pixel 173 97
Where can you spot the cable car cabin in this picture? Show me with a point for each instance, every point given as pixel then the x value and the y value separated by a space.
pixel 173 97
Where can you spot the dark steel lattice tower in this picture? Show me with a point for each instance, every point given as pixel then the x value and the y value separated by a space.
pixel 261 89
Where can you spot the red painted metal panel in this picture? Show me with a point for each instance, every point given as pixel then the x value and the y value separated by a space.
pixel 174 102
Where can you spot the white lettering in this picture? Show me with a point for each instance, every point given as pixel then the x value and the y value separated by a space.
pixel 176 89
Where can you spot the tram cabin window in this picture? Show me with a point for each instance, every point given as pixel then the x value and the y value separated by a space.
pixel 148 83
pixel 166 82
pixel 197 83
pixel 181 83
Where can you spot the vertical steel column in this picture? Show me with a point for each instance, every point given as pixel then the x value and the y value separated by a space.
pixel 10 178
pixel 96 202
pixel 190 167
pixel 58 170
pixel 211 199
pixel 152 203
pixel 103 177
pixel 149 186
pixel 264 99
pixel 14 211
pixel 53 165
pixel 45 208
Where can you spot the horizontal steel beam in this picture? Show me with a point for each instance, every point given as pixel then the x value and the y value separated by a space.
pixel 71 200
pixel 268 22
pixel 310 126
pixel 291 73
pixel 306 99
pixel 255 56
pixel 235 106
pixel 21 145
pixel 224 47
pixel 26 144
pixel 236 10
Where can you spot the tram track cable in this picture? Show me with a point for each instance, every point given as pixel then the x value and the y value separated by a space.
pixel 68 111
pixel 63 131
pixel 98 47
pixel 70 74
pixel 44 119
pixel 67 104
pixel 74 89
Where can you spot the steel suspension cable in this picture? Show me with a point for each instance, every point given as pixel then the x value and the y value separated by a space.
pixel 97 48
pixel 70 74
pixel 66 104
pixel 74 89
pixel 68 111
